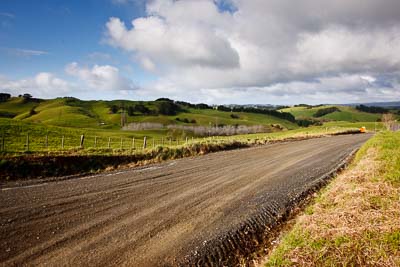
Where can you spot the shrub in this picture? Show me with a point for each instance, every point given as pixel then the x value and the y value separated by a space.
pixel 114 109
pixel 4 97
pixel 32 112
pixel 202 106
pixel 308 122
pixel 167 108
pixel 324 111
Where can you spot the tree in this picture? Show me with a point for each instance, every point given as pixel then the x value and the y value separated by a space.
pixel 388 120
pixel 202 106
pixel 26 98
pixel 141 108
pixel 4 97
pixel 114 109
pixel 167 108
pixel 371 109
pixel 131 111
pixel 164 99
pixel 324 111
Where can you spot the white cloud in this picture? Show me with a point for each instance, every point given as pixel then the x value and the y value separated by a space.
pixel 337 49
pixel 104 77
pixel 345 88
pixel 23 52
pixel 8 15
pixel 311 50
pixel 157 39
pixel 44 85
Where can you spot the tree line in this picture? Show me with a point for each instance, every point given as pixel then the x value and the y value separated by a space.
pixel 282 115
pixel 371 109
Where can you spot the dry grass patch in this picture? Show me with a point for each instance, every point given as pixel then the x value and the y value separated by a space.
pixel 355 221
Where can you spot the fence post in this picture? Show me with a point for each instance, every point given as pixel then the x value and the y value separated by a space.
pixel 3 142
pixel 186 140
pixel 121 144
pixel 162 141
pixel 27 142
pixel 170 142
pixel 133 143
pixel 95 141
pixel 177 141
pixel 109 142
pixel 144 142
pixel 153 143
pixel 62 142
pixel 47 141
pixel 82 140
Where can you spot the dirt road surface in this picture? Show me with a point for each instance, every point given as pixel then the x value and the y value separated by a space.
pixel 190 211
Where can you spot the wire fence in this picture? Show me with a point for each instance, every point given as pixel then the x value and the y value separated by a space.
pixel 38 142
pixel 34 143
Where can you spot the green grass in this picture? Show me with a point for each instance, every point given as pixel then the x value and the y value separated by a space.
pixel 370 126
pixel 303 112
pixel 16 106
pixel 209 116
pixel 15 133
pixel 388 145
pixel 71 118
pixel 346 113
pixel 96 114
pixel 352 115
pixel 355 220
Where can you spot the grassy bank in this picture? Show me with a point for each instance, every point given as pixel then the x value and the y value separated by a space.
pixel 26 166
pixel 355 220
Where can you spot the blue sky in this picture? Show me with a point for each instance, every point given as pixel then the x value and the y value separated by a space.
pixel 65 31
pixel 214 51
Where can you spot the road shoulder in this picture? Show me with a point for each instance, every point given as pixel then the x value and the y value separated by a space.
pixel 354 221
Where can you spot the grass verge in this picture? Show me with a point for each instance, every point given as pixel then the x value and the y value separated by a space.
pixel 355 220
pixel 28 166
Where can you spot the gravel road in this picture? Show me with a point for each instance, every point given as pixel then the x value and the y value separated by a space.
pixel 182 212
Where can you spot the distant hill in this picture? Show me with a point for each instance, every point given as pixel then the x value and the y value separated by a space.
pixel 332 113
pixel 72 112
pixel 395 104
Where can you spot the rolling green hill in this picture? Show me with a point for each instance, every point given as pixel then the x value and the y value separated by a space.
pixel 71 112
pixel 345 113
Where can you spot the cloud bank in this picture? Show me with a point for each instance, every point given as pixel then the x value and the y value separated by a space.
pixel 93 82
pixel 105 78
pixel 266 50
pixel 44 84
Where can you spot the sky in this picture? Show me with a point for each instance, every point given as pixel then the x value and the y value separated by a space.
pixel 212 51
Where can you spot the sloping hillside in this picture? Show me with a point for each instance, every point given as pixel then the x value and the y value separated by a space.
pixel 72 112
pixel 343 113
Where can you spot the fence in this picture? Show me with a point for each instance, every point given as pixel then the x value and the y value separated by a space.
pixel 23 141
pixel 29 143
